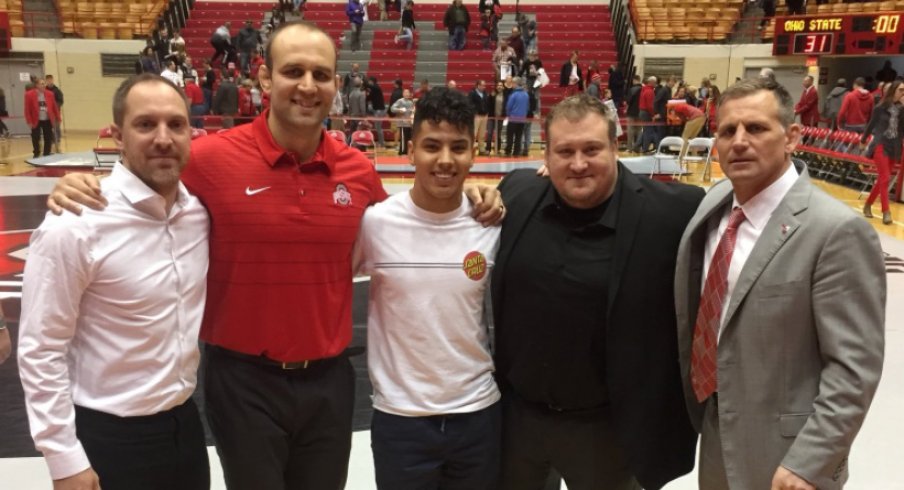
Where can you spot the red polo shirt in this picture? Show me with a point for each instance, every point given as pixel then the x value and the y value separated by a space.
pixel 281 237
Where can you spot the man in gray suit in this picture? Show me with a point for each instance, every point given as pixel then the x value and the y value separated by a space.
pixel 780 296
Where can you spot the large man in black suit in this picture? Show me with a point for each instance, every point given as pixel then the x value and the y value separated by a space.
pixel 585 319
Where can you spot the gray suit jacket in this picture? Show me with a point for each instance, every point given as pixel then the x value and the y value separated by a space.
pixel 801 349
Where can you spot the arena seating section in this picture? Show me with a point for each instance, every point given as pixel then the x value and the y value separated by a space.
pixel 683 21
pixel 561 29
pixel 205 17
pixel 109 19
pixel 16 21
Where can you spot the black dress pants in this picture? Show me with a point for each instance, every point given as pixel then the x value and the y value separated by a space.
pixel 164 451
pixel 280 429
pixel 513 135
pixel 46 128
pixel 579 445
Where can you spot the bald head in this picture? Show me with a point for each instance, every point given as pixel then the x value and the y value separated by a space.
pixel 296 28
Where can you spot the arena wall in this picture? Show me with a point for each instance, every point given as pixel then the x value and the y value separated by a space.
pixel 76 67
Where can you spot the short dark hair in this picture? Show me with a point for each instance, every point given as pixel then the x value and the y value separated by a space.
pixel 860 82
pixel 442 104
pixel 119 98
pixel 305 25
pixel 577 107
pixel 751 86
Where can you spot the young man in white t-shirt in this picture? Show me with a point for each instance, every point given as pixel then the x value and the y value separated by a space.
pixel 436 421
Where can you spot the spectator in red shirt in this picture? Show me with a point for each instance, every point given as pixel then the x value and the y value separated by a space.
pixel 693 120
pixel 808 105
pixel 246 104
pixel 856 107
pixel 647 95
pixel 41 114
pixel 198 105
pixel 256 62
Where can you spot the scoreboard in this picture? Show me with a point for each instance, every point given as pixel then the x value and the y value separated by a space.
pixel 880 33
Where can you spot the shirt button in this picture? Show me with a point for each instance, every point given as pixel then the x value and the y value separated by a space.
pixel 301 192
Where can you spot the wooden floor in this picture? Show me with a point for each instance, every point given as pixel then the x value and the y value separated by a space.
pixel 14 151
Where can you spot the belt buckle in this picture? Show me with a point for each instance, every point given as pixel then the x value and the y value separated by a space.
pixel 290 366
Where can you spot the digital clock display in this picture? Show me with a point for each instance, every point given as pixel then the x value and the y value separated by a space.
pixel 840 34
pixel 820 43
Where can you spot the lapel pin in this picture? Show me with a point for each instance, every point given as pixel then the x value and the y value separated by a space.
pixel 784 229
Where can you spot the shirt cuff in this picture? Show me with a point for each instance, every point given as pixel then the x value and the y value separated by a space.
pixel 68 463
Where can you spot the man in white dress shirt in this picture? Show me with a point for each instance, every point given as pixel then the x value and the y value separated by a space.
pixel 111 307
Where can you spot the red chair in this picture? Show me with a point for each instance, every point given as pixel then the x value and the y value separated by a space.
pixel 364 141
pixel 104 155
pixel 337 135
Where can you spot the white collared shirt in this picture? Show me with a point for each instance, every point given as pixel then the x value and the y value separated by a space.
pixel 112 303
pixel 757 210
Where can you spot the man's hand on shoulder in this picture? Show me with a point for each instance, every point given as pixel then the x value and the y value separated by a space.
pixel 487 201
pixel 86 480
pixel 786 480
pixel 73 190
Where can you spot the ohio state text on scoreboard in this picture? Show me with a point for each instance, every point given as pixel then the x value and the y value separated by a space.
pixel 858 34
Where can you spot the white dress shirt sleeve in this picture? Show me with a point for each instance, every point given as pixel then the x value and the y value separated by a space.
pixel 57 271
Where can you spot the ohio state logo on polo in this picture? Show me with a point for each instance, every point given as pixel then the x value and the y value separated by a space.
pixel 475 265
pixel 341 195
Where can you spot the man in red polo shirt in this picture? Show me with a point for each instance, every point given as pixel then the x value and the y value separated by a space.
pixel 285 204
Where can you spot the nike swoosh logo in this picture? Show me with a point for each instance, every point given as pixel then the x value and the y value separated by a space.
pixel 250 192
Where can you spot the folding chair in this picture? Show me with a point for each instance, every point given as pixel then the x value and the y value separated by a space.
pixel 703 152
pixel 669 143
pixel 337 135
pixel 105 156
pixel 363 139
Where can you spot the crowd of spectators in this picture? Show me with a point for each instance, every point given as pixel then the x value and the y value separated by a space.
pixel 655 109
pixel 227 84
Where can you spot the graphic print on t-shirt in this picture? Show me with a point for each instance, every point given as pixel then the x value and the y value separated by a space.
pixel 475 265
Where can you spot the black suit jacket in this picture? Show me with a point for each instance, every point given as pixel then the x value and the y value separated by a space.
pixel 565 75
pixel 481 104
pixel 642 374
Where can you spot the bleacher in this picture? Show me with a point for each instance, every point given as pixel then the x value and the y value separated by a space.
pixel 16 22
pixel 109 19
pixel 205 17
pixel 561 29
pixel 685 20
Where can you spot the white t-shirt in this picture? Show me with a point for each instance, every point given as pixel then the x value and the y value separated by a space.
pixel 428 350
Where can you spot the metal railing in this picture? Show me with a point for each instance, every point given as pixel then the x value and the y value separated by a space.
pixel 624 35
